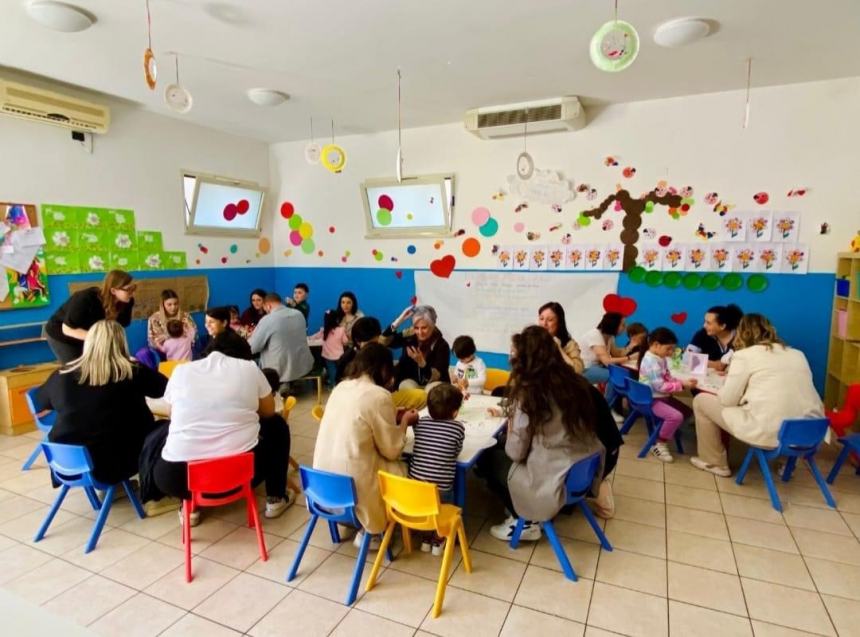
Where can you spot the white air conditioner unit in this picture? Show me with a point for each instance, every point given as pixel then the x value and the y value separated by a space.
pixel 544 116
pixel 38 105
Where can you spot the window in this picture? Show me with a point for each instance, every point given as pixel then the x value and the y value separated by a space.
pixel 221 206
pixel 415 207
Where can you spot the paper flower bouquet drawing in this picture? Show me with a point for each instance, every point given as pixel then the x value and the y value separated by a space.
pixel 60 239
pixel 521 258
pixel 556 258
pixel 785 226
pixel 650 257
pixel 592 257
pixel 504 257
pixel 574 258
pixel 721 258
pixel 767 259
pixel 673 257
pixel 96 263
pixel 123 241
pixel 613 256
pixel 733 227
pixel 760 225
pixel 795 258
pixel 746 257
pixel 92 219
pixel 538 258
pixel 697 258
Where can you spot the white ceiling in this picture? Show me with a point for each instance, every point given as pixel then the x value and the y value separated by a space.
pixel 337 58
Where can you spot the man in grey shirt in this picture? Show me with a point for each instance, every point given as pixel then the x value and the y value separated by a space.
pixel 281 340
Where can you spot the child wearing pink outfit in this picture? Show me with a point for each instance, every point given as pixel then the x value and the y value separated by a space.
pixel 334 340
pixel 177 345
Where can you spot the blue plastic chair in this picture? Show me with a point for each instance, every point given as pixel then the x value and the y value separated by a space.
pixel 640 397
pixel 331 496
pixel 850 443
pixel 579 479
pixel 43 424
pixel 73 467
pixel 798 438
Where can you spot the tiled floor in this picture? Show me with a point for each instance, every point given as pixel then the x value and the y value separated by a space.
pixel 694 555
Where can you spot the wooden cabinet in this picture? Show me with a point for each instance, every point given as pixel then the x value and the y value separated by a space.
pixel 15 417
pixel 843 361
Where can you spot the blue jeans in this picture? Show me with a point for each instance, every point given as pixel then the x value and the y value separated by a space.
pixel 330 372
pixel 600 374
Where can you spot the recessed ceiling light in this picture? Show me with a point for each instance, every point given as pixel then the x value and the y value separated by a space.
pixel 60 16
pixel 267 96
pixel 682 31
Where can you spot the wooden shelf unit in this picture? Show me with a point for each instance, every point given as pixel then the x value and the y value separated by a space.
pixel 15 417
pixel 843 360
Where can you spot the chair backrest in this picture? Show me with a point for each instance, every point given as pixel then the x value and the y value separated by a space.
pixel 800 436
pixel 165 368
pixel 147 357
pixel 329 495
pixel 317 412
pixel 227 477
pixel 289 403
pixel 70 464
pixel 639 395
pixel 580 477
pixel 618 377
pixel 45 421
pixel 410 502
pixel 496 378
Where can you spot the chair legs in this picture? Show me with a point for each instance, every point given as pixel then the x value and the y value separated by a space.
pixel 64 489
pixel 768 479
pixel 589 516
pixel 297 560
pixel 819 479
pixel 560 553
pixel 32 458
pixel 333 532
pixel 380 556
pixel 186 536
pixel 786 475
pixel 789 468
pixel 359 568
pixel 840 460
pixel 447 557
pixel 518 530
pixel 255 516
pixel 132 497
pixel 107 502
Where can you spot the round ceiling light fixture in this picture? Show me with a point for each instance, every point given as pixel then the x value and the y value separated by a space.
pixel 683 31
pixel 267 96
pixel 60 16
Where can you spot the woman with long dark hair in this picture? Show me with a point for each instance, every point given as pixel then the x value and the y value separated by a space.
pixel 252 315
pixel 551 318
pixel 347 312
pixel 169 310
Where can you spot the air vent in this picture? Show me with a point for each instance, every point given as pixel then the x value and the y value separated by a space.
pixel 36 104
pixel 520 116
pixel 545 116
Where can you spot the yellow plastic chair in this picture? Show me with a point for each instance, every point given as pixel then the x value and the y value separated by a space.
pixel 496 378
pixel 415 505
pixel 289 403
pixel 166 368
pixel 317 412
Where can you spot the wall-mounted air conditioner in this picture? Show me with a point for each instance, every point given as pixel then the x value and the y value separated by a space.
pixel 544 116
pixel 39 105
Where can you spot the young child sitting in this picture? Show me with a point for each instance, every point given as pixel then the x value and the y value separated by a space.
pixel 300 299
pixel 275 383
pixel 470 373
pixel 334 341
pixel 654 371
pixel 438 442
pixel 177 345
pixel 236 324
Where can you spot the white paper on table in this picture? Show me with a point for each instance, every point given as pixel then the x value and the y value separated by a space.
pixel 27 237
pixel 4 286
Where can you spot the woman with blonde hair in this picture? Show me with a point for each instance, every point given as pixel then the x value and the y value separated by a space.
pixel 169 310
pixel 767 382
pixel 100 400
pixel 67 328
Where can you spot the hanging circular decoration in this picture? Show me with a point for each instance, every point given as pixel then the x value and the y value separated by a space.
pixel 711 281
pixel 692 281
pixel 654 278
pixel 312 153
pixel 614 46
pixel 333 158
pixel 733 281
pixel 757 283
pixel 525 165
pixel 150 68
pixel 637 274
pixel 672 279
pixel 178 98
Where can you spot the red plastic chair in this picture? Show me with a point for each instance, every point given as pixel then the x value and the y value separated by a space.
pixel 214 483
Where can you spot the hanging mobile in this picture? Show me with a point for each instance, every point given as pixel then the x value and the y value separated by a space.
pixel 333 157
pixel 525 163
pixel 150 69
pixel 615 45
pixel 399 168
pixel 312 150
pixel 177 97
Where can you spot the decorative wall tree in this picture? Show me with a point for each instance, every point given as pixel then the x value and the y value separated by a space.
pixel 633 209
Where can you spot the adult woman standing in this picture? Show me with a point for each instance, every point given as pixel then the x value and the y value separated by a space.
pixel 67 328
pixel 100 400
pixel 251 316
pixel 551 318
pixel 156 326
pixel 717 334
pixel 767 382
pixel 360 433
pixel 217 324
pixel 426 354
pixel 347 312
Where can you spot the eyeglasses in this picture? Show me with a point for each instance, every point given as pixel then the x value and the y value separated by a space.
pixel 129 288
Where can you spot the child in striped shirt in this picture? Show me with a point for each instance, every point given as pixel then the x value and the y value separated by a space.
pixel 438 442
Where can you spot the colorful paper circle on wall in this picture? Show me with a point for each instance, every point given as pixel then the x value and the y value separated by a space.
pixel 234 249
pixel 757 283
pixel 377 254
pixel 637 274
pixel 711 281
pixel 692 281
pixel 411 249
pixel 306 230
pixel 287 210
pixel 385 201
pixel 490 228
pixel 333 158
pixel 308 246
pixel 264 246
pixel 519 226
pixel 654 278
pixel 480 216
pixel 672 279
pixel 583 221
pixel 383 216
pixel 733 281
pixel 471 247
pixel 295 238
pixel 614 46
pixel 295 222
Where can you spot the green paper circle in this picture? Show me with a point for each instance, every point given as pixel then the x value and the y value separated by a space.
pixel 654 278
pixel 711 281
pixel 733 281
pixel 672 279
pixel 490 228
pixel 295 222
pixel 583 220
pixel 649 206
pixel 378 255
pixel 757 283
pixel 692 281
pixel 383 216
pixel 628 53
pixel 308 246
pixel 636 274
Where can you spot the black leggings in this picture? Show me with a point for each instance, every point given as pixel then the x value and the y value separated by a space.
pixel 271 461
pixel 64 351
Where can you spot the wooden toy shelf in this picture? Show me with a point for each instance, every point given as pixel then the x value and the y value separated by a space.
pixel 843 361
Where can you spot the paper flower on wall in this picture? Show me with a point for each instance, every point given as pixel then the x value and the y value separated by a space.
pixel 795 258
pixel 504 257
pixel 574 257
pixel 123 241
pixel 745 257
pixel 521 258
pixel 556 257
pixel 673 256
pixel 759 226
pixel 92 219
pixel 650 257
pixel 697 257
pixel 95 262
pixel 60 239
pixel 613 255
pixel 538 256
pixel 153 261
pixel 767 258
pixel 592 257
pixel 785 226
pixel 721 257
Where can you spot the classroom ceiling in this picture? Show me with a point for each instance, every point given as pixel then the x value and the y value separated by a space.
pixel 337 59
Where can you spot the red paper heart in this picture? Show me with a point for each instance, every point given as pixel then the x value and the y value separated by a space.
pixel 680 318
pixel 443 267
pixel 413 300
pixel 398 274
pixel 664 240
pixel 625 306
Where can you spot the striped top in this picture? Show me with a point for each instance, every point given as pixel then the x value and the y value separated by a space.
pixel 434 456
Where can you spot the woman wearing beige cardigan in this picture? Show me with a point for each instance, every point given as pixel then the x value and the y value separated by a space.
pixel 767 382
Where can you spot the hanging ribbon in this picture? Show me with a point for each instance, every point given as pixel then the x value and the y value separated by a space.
pixel 747 103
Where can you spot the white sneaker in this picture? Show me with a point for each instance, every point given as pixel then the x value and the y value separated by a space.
pixel 375 541
pixel 195 517
pixel 619 419
pixel 276 506
pixel 662 453
pixel 437 547
pixel 723 472
pixel 426 545
pixel 504 531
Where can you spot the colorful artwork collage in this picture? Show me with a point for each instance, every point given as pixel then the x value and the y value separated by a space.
pixel 25 284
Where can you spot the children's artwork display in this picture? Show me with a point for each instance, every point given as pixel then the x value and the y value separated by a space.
pixel 24 271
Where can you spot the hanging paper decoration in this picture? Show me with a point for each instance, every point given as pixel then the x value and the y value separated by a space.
pixel 615 45
pixel 333 157
pixel 177 97
pixel 312 150
pixel 150 69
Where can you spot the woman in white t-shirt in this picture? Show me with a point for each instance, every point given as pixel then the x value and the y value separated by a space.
pixel 222 405
pixel 599 351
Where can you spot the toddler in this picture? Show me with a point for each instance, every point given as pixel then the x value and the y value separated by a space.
pixel 438 442
pixel 654 371
pixel 177 345
pixel 470 373
pixel 334 341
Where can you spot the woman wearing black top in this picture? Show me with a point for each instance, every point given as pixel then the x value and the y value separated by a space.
pixel 67 328
pixel 716 338
pixel 251 316
pixel 426 353
pixel 217 322
pixel 100 400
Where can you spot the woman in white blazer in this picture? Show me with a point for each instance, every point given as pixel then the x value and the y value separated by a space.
pixel 767 382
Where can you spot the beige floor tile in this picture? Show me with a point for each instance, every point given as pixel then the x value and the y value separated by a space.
pixel 710 589
pixel 18 505
pixel 576 527
pixel 786 606
pixel 153 527
pixel 549 592
pixel 281 559
pixel 636 469
pixel 208 577
pixel 753 487
pixel 242 602
pixel 684 474
pixel 772 566
pixel 467 613
pixel 26 481
pixel 331 578
pixel 628 612
pixel 836 548
pixel 209 531
pixel 631 570
pixel 20 559
pixel 764 629
pixel 842 580
pixel 639 488
pixel 6 542
pixel 525 621
pixel 113 545
pixel 697 550
pixel 640 511
pixel 638 538
pixel 23 528
pixel 593 631
pixel 360 624
pixel 488 544
pixel 194 626
pixel 853 521
pixel 845 614
pixel 753 508
pixel 695 522
pixel 493 576
pixel 582 556
pixel 146 565
pixel 810 496
pixel 88 600
pixel 692 498
pixel 239 549
pixel 139 616
pixel 763 534
pixel 399 596
pixel 305 614
pixel 847 502
pixel 427 565
pixel 46 581
pixel 685 619
pixel 289 521
pixel 64 537
pixel 826 520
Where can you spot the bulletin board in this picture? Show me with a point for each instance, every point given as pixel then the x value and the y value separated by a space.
pixel 193 293
pixel 26 289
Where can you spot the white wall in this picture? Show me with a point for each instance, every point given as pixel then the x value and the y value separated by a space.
pixel 804 135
